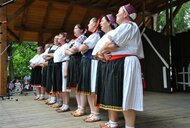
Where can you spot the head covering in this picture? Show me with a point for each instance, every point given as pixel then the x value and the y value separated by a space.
pixel 111 19
pixel 130 10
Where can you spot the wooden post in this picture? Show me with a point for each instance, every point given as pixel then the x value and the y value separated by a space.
pixel 3 55
pixel 155 21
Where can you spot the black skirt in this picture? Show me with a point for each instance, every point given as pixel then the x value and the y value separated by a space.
pixel 109 84
pixel 84 85
pixel 73 71
pixel 57 77
pixel 49 79
pixel 44 76
pixel 36 76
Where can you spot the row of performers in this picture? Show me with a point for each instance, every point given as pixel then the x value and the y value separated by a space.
pixel 101 64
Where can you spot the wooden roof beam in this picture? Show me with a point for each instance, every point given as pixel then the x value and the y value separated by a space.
pixel 44 22
pixel 173 4
pixel 158 4
pixel 20 10
pixel 85 17
pixel 32 29
pixel 46 16
pixel 136 4
pixel 12 34
pixel 119 3
pixel 95 5
pixel 174 14
pixel 23 21
pixel 95 1
pixel 69 10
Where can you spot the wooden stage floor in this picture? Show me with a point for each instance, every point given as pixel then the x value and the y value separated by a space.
pixel 162 110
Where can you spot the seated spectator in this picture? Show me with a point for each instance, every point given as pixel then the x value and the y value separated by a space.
pixel 11 85
pixel 18 86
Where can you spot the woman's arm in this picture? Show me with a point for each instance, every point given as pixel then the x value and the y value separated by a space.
pixel 83 48
pixel 104 53
pixel 48 56
pixel 71 51
pixel 108 47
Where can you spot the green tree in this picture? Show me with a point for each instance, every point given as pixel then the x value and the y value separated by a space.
pixel 22 53
pixel 181 21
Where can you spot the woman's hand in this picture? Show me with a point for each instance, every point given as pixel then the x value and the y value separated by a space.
pixel 100 56
pixel 83 48
pixel 107 55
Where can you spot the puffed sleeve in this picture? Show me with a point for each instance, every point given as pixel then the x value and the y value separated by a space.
pixel 92 40
pixel 123 33
pixel 79 41
pixel 41 59
pixel 66 46
pixel 33 60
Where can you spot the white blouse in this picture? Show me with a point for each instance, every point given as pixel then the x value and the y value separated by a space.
pixel 92 40
pixel 43 54
pixel 128 39
pixel 46 51
pixel 37 59
pixel 71 43
pixel 59 54
pixel 101 43
pixel 54 47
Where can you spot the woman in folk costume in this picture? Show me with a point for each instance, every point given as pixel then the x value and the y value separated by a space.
pixel 49 57
pixel 122 89
pixel 36 71
pixel 43 64
pixel 74 63
pixel 86 85
pixel 60 72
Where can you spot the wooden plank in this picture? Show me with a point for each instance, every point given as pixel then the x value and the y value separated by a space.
pixel 44 23
pixel 162 110
pixel 46 16
pixel 69 11
pixel 32 29
pixel 3 57
pixel 20 10
pixel 12 34
pixel 23 21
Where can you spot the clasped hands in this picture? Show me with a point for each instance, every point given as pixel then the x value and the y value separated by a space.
pixel 103 56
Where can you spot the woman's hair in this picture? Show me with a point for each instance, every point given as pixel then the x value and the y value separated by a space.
pixel 94 19
pixel 65 35
pixel 80 26
pixel 40 48
pixel 97 21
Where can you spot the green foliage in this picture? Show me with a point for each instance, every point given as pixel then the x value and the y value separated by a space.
pixel 22 53
pixel 181 21
pixel 161 20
